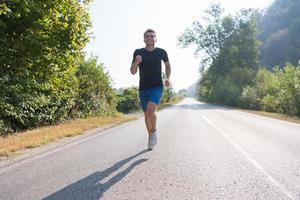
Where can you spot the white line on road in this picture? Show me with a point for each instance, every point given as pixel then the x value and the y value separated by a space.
pixel 251 160
pixel 207 120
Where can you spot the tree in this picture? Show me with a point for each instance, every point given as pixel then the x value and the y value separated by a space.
pixel 280 34
pixel 275 91
pixel 41 45
pixel 289 89
pixel 231 53
pixel 128 101
pixel 95 95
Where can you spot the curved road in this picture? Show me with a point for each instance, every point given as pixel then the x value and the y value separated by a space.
pixel 203 152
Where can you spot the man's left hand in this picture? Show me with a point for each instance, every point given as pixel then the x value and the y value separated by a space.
pixel 167 83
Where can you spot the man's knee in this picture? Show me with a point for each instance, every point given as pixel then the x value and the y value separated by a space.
pixel 150 113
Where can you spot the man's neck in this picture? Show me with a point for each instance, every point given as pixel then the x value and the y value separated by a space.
pixel 150 48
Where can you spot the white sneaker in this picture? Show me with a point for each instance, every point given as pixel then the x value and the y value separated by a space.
pixel 152 140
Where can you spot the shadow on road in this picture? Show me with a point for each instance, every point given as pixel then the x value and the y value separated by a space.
pixel 90 186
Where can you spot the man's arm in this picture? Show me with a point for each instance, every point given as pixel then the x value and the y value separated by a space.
pixel 135 64
pixel 133 68
pixel 168 73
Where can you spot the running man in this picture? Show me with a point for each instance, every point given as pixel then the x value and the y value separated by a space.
pixel 148 60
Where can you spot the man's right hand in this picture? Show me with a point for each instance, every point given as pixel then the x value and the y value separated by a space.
pixel 138 59
pixel 135 64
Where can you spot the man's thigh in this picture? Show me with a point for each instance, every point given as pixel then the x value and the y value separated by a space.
pixel 151 107
pixel 155 95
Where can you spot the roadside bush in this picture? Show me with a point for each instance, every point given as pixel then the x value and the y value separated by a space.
pixel 128 101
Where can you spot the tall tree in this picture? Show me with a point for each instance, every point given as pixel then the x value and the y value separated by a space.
pixel 41 45
pixel 230 50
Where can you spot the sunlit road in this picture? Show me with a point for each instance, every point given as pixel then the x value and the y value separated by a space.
pixel 203 152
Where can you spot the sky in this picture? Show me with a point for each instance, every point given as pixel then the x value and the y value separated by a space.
pixel 118 28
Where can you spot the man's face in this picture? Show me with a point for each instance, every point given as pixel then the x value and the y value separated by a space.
pixel 150 38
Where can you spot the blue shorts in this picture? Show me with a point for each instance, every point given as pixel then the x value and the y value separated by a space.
pixel 152 94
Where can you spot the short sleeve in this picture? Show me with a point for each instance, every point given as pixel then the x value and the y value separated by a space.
pixel 134 55
pixel 164 56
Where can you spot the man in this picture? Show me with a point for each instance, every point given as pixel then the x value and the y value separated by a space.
pixel 148 60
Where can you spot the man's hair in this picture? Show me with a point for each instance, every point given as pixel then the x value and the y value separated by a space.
pixel 149 31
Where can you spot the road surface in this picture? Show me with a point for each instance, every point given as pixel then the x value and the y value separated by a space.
pixel 203 152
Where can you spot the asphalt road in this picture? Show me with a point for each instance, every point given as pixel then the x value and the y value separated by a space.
pixel 203 152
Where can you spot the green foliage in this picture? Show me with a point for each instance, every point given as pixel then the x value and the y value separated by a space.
pixel 277 91
pixel 95 95
pixel 41 45
pixel 264 83
pixel 289 89
pixel 270 103
pixel 280 33
pixel 42 60
pixel 128 100
pixel 231 53
pixel 205 87
pixel 168 95
pixel 249 98
pixel 230 68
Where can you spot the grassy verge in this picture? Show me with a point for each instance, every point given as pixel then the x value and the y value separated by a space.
pixel 11 144
pixel 273 115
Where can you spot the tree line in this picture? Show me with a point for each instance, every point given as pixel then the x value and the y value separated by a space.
pixel 237 58
pixel 45 76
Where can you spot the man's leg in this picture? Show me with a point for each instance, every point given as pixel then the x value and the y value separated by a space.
pixel 152 101
pixel 144 101
pixel 148 122
pixel 151 115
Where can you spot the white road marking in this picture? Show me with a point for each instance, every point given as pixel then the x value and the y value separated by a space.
pixel 207 120
pixel 246 113
pixel 251 160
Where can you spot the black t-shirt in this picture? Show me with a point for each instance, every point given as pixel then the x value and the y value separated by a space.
pixel 150 67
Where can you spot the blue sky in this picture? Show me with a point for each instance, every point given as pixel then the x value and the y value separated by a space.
pixel 118 28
